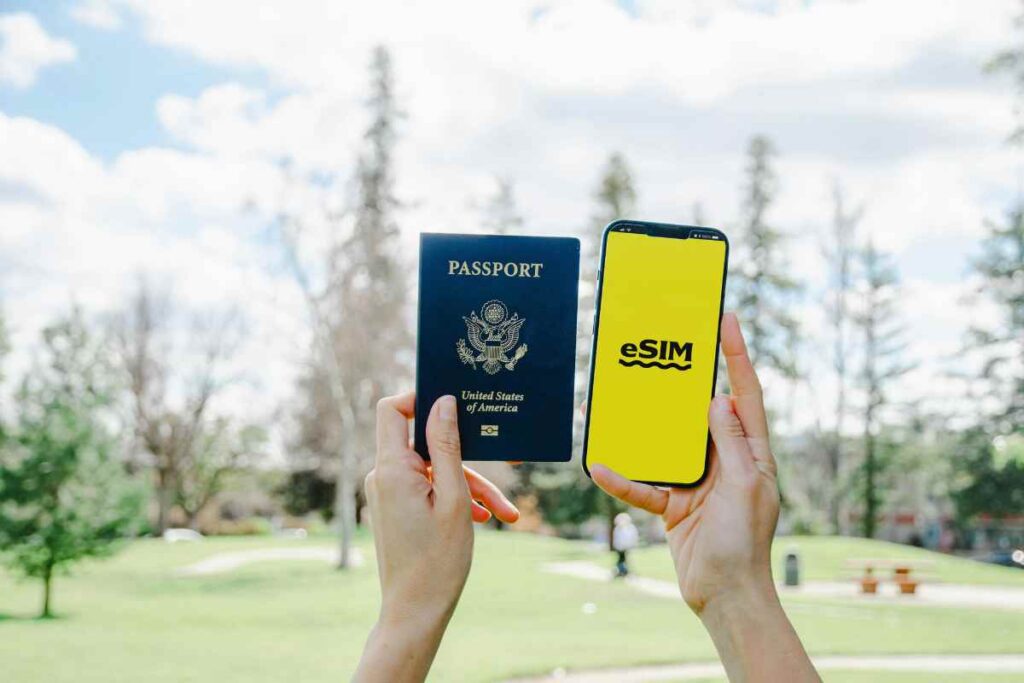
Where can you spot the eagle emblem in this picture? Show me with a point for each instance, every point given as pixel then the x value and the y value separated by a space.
pixel 492 335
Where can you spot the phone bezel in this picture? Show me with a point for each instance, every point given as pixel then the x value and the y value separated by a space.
pixel 665 231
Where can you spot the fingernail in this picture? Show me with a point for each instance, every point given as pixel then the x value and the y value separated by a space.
pixel 447 407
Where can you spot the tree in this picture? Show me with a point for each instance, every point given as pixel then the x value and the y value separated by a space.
pixel 1011 60
pixel 878 322
pixel 171 390
pixel 219 447
pixel 63 494
pixel 992 465
pixel 501 215
pixel 840 254
pixel 361 342
pixel 762 289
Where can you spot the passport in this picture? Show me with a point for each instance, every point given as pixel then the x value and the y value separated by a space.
pixel 497 330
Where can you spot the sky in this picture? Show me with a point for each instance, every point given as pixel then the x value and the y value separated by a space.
pixel 147 138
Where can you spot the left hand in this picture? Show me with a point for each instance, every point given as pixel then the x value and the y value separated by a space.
pixel 422 518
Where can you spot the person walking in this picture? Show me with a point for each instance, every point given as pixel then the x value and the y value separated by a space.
pixel 625 537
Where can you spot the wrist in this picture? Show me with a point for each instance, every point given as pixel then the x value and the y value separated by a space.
pixel 753 597
pixel 412 619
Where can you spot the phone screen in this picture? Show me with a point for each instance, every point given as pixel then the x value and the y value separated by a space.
pixel 655 352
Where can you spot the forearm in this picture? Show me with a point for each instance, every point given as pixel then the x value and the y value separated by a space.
pixel 755 639
pixel 401 649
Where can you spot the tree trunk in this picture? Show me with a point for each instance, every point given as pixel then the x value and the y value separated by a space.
pixel 163 499
pixel 47 584
pixel 344 507
pixel 870 498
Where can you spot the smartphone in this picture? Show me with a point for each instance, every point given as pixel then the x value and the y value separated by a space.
pixel 654 360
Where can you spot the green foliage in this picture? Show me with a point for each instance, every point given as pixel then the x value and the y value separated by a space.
pixel 308 491
pixel 1001 266
pixel 990 476
pixel 63 495
pixel 878 321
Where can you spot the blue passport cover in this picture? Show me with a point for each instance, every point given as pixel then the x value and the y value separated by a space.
pixel 497 330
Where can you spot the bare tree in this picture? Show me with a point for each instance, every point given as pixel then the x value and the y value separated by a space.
pixel 168 433
pixel 358 311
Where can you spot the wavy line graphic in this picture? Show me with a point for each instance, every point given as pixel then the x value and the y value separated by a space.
pixel 655 364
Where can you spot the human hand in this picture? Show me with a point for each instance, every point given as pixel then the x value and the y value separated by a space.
pixel 720 533
pixel 422 530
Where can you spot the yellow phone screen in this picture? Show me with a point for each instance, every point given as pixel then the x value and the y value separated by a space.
pixel 655 353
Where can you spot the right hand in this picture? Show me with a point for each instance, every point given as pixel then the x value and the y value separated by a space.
pixel 720 533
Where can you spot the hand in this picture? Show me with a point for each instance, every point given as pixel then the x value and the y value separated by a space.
pixel 422 530
pixel 720 533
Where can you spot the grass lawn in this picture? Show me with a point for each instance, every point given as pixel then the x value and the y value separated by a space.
pixel 823 558
pixel 131 618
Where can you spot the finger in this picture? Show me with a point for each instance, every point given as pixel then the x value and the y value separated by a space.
pixel 583 409
pixel 643 496
pixel 490 496
pixel 393 415
pixel 743 382
pixel 480 513
pixel 446 450
pixel 734 454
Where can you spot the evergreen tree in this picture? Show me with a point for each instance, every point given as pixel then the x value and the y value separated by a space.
pixel 63 494
pixel 992 462
pixel 501 215
pixel 840 254
pixel 878 322
pixel 761 288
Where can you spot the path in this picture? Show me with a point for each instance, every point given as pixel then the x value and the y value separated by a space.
pixel 973 664
pixel 928 594
pixel 226 562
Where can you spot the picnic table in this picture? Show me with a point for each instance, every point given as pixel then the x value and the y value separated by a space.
pixel 906 574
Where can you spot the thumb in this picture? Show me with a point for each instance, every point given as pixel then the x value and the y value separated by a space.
pixel 730 440
pixel 446 450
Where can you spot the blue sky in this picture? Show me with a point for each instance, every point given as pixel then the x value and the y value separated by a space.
pixel 106 99
pixel 143 137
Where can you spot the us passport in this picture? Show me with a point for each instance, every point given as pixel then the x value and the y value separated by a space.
pixel 497 330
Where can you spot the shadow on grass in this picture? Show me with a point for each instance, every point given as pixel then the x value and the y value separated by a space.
pixel 30 618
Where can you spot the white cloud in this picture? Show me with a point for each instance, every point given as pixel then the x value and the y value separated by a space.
pixel 97 13
pixel 26 48
pixel 886 97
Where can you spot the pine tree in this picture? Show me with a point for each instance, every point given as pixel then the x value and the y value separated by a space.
pixel 565 496
pixel 879 325
pixel 761 287
pixel 994 479
pixel 840 254
pixel 63 494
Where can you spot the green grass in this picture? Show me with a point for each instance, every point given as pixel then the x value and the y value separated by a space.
pixel 899 677
pixel 824 558
pixel 131 618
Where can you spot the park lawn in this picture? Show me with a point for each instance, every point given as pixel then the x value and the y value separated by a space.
pixel 131 618
pixel 824 558
pixel 898 677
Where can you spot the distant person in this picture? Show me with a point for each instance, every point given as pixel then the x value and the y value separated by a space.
pixel 625 537
pixel 719 534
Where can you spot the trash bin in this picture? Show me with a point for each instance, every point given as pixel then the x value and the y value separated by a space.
pixel 792 570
